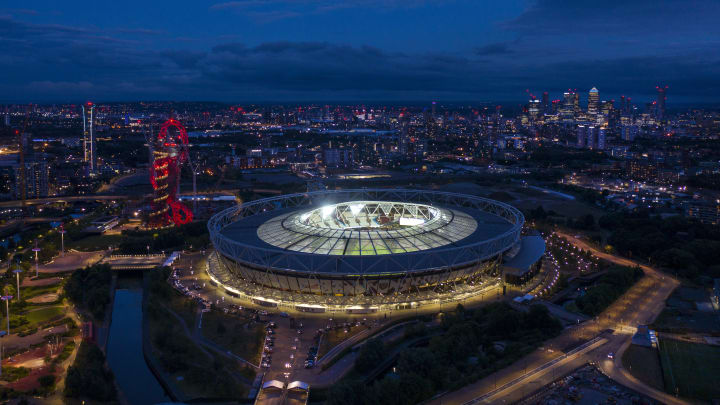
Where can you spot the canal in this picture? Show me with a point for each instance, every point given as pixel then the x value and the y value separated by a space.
pixel 124 352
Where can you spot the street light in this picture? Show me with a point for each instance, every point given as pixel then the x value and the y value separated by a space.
pixel 17 277
pixel 62 240
pixel 36 249
pixel 7 299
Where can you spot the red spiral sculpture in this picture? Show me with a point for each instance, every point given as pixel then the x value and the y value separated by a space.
pixel 170 151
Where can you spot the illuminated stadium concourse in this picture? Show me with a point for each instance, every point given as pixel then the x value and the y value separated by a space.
pixel 362 250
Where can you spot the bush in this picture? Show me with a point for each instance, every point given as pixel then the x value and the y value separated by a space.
pixel 88 377
pixel 89 289
pixel 47 381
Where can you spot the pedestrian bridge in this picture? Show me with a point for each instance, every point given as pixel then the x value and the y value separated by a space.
pixel 140 262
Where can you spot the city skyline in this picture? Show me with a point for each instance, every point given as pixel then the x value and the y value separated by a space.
pixel 383 51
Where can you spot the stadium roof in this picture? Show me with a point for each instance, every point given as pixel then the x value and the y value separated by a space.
pixel 257 233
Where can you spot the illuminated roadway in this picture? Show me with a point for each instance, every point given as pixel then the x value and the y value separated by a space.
pixel 639 305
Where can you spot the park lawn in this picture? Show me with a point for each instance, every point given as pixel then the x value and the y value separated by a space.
pixel 644 364
pixel 241 336
pixel 690 369
pixel 31 292
pixel 95 242
pixel 42 315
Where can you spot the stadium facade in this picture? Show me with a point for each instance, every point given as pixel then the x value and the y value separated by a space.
pixel 362 250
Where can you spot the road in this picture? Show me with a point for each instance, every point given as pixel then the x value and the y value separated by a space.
pixel 639 305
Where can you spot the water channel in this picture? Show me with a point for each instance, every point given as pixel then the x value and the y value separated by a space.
pixel 124 352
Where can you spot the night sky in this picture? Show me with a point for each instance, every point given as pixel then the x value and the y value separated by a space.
pixel 356 50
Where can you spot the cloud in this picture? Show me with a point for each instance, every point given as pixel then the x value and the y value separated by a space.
pixel 43 62
pixel 271 10
pixel 497 48
pixel 616 17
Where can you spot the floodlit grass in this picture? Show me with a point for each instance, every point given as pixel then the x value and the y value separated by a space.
pixel 644 364
pixel 690 369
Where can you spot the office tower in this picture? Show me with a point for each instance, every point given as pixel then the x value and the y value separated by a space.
pixel 581 132
pixel 600 138
pixel 661 98
pixel 433 108
pixel 567 110
pixel 7 119
pixel 576 101
pixel 622 105
pixel 545 102
pixel 629 132
pixel 593 101
pixel 534 107
pixel 88 111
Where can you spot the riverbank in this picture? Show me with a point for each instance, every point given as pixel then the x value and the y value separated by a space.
pixel 153 364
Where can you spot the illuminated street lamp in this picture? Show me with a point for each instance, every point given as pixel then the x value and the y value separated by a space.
pixel 62 240
pixel 36 249
pixel 7 299
pixel 17 277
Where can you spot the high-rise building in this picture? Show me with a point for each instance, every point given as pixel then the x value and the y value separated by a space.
pixel 581 132
pixel 629 132
pixel 576 101
pixel 36 178
pixel 600 138
pixel 660 106
pixel 593 101
pixel 567 110
pixel 534 107
pixel 545 102
pixel 88 111
pixel 590 137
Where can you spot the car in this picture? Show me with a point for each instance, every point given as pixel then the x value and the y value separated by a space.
pixel 266 365
pixel 268 349
pixel 611 355
pixel 309 364
pixel 299 331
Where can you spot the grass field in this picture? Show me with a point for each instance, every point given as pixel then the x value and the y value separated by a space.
pixel 235 334
pixel 43 315
pixel 644 364
pixel 690 369
pixel 30 292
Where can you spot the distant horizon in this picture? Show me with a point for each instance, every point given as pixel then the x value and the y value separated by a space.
pixel 510 104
